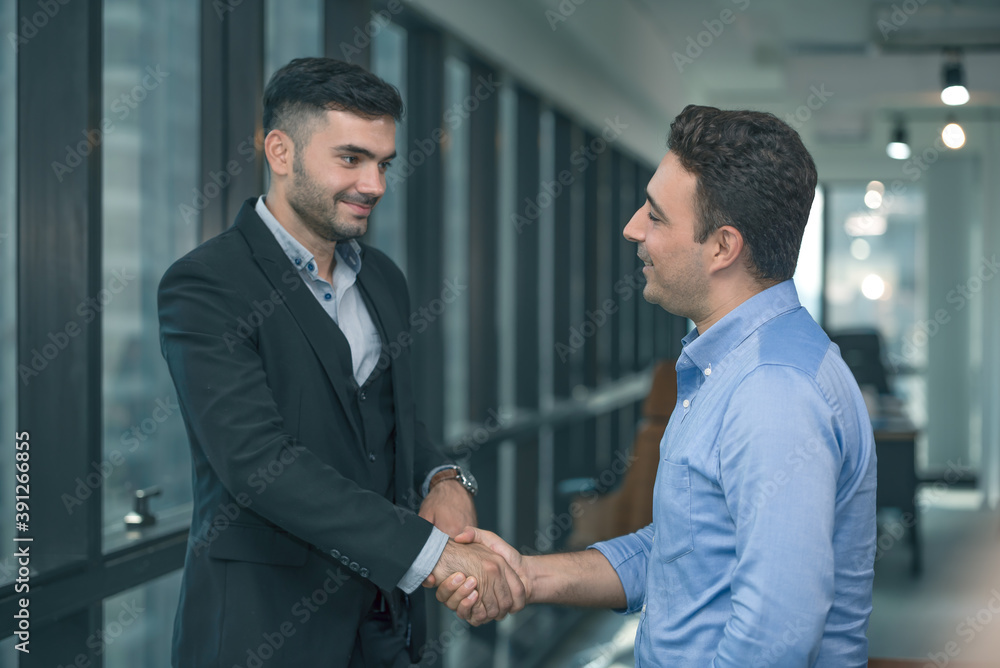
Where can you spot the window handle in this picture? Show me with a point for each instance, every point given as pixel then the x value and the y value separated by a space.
pixel 140 515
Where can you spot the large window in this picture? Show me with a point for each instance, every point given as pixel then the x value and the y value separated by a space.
pixel 150 170
pixel 387 228
pixel 8 302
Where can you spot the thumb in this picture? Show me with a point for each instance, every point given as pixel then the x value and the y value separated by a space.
pixel 468 535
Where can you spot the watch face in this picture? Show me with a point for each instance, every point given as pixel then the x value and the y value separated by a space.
pixel 468 480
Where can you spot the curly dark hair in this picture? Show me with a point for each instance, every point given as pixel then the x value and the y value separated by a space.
pixel 303 90
pixel 754 174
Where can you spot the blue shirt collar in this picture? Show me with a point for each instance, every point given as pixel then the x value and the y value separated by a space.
pixel 349 251
pixel 722 338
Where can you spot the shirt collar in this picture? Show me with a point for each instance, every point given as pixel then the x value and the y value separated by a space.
pixel 722 338
pixel 349 251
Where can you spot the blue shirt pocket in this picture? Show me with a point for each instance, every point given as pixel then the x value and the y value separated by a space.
pixel 674 532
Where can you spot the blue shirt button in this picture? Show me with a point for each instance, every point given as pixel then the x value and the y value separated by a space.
pixel 298 260
pixel 328 296
pixel 310 266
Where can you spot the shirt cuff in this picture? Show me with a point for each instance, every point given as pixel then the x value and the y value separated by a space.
pixel 426 488
pixel 425 561
pixel 629 561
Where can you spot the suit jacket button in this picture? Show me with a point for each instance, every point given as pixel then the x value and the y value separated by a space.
pixel 371 456
pixel 335 554
pixel 354 566
pixel 363 572
pixel 345 560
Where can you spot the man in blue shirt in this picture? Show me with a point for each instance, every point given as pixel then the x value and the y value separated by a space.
pixel 762 544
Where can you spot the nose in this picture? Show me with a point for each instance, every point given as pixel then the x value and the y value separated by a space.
pixel 634 229
pixel 371 181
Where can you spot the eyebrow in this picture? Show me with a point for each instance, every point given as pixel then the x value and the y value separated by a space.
pixel 360 150
pixel 656 207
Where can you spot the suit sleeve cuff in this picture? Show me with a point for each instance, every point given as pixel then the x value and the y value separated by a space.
pixel 425 561
pixel 426 488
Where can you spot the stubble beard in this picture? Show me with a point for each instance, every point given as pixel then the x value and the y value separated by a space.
pixel 318 210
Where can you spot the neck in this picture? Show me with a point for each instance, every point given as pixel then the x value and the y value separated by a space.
pixel 725 297
pixel 321 249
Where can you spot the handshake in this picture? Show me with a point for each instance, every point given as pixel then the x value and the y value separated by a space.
pixel 481 577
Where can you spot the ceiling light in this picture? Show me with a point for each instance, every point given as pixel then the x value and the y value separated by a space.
pixel 873 287
pixel 899 146
pixel 873 199
pixel 953 135
pixel 954 91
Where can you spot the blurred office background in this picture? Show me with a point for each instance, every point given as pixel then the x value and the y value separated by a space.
pixel 130 132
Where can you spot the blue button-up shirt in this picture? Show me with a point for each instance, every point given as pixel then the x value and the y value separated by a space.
pixel 762 546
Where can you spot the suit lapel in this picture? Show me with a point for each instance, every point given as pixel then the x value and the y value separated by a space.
pixel 325 338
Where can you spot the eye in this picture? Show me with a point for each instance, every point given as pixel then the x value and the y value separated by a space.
pixel 384 165
pixel 350 159
pixel 653 218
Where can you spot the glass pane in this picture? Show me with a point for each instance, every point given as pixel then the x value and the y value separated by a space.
pixel 8 294
pixel 292 29
pixel 151 167
pixel 138 624
pixel 387 227
pixel 809 271
pixel 8 655
pixel 455 153
pixel 875 277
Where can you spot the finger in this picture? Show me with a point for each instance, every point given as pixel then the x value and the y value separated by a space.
pixel 430 581
pixel 449 587
pixel 464 591
pixel 479 615
pixel 466 604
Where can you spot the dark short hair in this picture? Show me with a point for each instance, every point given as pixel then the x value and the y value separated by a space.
pixel 304 89
pixel 754 174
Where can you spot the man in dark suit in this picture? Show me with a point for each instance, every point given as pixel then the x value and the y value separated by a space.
pixel 305 445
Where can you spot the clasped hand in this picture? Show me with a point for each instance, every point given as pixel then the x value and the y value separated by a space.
pixel 480 577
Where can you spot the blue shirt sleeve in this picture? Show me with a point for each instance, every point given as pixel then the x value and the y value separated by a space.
pixel 628 556
pixel 779 459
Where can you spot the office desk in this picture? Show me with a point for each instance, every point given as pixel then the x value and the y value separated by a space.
pixel 895 447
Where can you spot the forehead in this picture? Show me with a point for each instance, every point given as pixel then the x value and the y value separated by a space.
pixel 672 186
pixel 344 125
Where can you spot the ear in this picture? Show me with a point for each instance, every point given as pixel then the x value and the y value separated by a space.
pixel 726 248
pixel 280 152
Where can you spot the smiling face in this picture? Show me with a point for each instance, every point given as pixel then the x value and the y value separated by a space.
pixel 664 228
pixel 338 176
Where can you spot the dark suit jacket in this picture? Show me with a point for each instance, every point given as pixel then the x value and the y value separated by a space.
pixel 288 542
